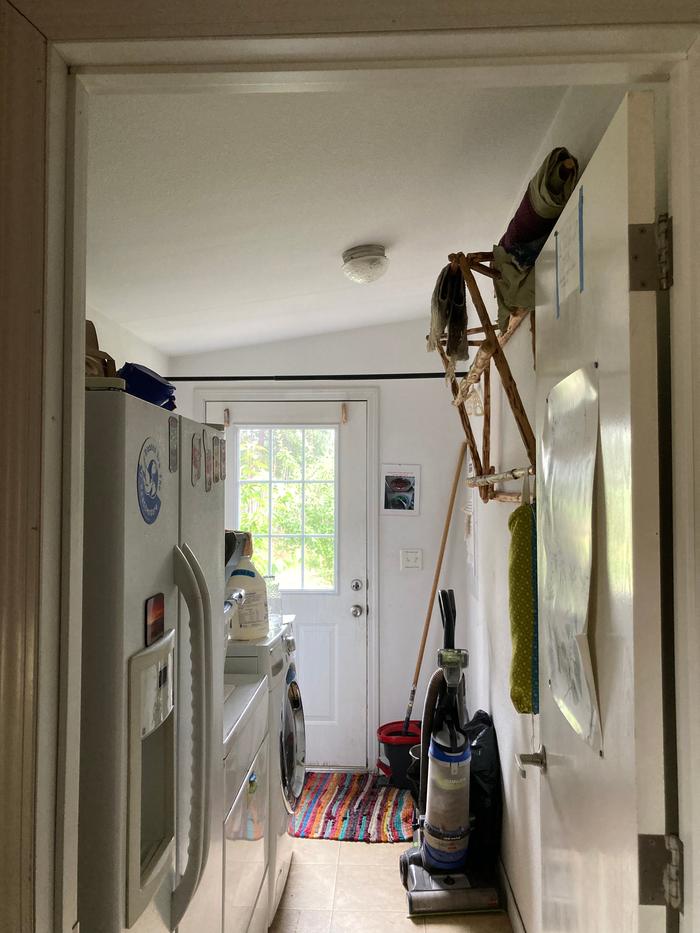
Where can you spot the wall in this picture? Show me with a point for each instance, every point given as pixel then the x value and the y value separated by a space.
pixel 124 346
pixel 417 425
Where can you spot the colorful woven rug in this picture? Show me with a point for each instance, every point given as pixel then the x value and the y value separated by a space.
pixel 339 805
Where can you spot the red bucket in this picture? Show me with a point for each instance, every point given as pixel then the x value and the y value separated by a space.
pixel 395 747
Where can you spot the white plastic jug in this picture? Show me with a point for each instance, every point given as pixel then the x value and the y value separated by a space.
pixel 251 620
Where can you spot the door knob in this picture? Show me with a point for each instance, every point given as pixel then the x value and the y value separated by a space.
pixel 356 611
pixel 536 759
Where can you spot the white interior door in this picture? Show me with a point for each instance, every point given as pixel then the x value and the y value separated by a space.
pixel 596 802
pixel 298 481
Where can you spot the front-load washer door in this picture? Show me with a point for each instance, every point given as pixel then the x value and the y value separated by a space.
pixel 292 746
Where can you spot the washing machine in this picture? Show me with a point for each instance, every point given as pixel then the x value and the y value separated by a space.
pixel 275 656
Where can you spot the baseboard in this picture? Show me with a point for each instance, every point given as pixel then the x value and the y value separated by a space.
pixel 516 921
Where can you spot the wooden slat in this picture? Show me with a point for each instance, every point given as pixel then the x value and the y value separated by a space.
pixel 464 418
pixel 501 363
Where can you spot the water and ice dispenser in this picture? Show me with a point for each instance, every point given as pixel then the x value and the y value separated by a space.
pixel 151 781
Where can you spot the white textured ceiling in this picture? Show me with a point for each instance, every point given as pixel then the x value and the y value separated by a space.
pixel 219 220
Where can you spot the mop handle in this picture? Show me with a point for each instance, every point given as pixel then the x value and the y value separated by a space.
pixel 436 578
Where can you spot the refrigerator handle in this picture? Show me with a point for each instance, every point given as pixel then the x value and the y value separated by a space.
pixel 207 653
pixel 186 888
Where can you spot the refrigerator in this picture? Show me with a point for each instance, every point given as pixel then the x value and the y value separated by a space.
pixel 151 771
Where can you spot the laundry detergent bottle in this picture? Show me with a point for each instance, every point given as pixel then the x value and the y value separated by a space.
pixel 251 621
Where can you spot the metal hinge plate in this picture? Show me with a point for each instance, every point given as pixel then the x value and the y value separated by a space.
pixel 661 871
pixel 651 255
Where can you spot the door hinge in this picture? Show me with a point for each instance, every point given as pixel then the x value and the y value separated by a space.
pixel 661 871
pixel 651 255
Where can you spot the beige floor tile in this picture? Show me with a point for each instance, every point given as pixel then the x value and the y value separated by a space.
pixel 373 854
pixel 309 887
pixel 316 851
pixel 301 921
pixel 369 921
pixel 363 888
pixel 469 923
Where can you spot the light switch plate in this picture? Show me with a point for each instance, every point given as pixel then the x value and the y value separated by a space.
pixel 411 558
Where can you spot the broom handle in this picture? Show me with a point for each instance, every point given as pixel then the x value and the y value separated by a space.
pixel 436 578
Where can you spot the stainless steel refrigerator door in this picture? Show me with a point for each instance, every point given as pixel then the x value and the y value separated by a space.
pixel 131 527
pixel 202 529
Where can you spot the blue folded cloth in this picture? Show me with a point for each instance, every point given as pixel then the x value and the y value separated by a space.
pixel 144 383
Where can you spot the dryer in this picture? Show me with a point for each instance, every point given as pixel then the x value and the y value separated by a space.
pixel 275 656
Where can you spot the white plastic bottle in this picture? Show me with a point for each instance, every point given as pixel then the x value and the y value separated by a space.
pixel 251 620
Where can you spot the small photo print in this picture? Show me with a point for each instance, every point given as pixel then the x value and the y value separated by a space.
pixel 400 488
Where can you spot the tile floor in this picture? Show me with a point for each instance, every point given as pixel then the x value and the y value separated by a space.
pixel 352 887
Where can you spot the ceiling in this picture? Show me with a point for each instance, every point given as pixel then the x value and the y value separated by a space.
pixel 219 220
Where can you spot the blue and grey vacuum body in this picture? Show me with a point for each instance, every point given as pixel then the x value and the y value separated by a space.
pixel 434 872
pixel 446 825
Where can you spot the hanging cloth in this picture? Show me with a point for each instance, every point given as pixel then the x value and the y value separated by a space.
pixel 522 599
pixel 521 244
pixel 448 314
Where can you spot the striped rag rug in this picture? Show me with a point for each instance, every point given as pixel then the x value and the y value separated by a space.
pixel 352 807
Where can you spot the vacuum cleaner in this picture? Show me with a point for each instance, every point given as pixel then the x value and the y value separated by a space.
pixel 436 872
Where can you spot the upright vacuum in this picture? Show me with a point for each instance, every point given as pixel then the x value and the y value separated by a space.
pixel 436 873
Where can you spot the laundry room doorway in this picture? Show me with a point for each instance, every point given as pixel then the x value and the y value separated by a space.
pixel 297 480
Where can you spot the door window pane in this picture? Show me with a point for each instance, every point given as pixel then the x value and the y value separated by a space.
pixel 319 453
pixel 319 563
pixel 287 499
pixel 261 557
pixel 286 508
pixel 254 447
pixel 286 562
pixel 319 508
pixel 254 510
pixel 287 453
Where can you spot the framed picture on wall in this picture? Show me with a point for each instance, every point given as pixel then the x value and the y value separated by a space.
pixel 400 493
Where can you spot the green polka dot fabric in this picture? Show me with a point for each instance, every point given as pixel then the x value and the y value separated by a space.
pixel 522 601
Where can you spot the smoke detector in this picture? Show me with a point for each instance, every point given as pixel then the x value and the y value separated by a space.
pixel 365 263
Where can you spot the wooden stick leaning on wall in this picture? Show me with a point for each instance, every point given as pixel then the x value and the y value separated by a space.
pixel 433 591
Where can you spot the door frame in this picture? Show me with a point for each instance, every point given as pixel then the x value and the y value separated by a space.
pixel 301 392
pixel 576 55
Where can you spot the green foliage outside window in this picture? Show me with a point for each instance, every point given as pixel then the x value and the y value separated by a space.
pixel 287 500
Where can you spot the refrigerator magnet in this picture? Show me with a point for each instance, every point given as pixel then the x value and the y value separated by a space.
pixel 148 480
pixel 172 444
pixel 208 466
pixel 196 458
pixel 155 618
pixel 217 457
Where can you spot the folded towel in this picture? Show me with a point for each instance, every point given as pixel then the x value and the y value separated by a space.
pixel 448 314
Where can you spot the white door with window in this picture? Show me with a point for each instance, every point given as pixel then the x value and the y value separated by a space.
pixel 297 480
pixel 603 807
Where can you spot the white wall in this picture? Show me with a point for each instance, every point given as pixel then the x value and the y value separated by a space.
pixel 124 346
pixel 417 425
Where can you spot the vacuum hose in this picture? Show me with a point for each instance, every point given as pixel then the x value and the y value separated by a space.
pixel 436 686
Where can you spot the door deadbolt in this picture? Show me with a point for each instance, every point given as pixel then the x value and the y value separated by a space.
pixel 356 585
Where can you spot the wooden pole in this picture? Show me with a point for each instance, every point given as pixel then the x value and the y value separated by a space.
pixel 433 591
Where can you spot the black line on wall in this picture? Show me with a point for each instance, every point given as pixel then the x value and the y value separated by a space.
pixel 334 377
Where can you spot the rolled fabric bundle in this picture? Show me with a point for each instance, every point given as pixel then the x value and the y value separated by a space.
pixel 448 314
pixel 522 604
pixel 521 244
